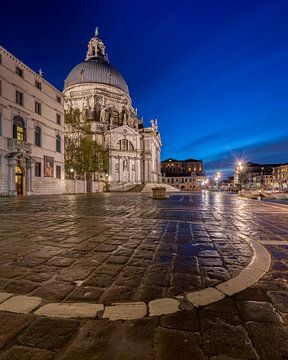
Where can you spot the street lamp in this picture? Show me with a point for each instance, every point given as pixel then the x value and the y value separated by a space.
pixel 239 171
pixel 72 172
pixel 217 177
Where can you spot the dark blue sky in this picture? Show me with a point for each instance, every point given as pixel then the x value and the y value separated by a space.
pixel 214 73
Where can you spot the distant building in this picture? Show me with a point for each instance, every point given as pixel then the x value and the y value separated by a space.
pixel 31 131
pixel 280 177
pixel 255 176
pixel 186 175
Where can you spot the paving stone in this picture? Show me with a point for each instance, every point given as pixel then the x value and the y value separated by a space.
pixel 75 272
pixel 178 345
pixel 204 297
pixel 252 294
pixel 60 261
pixel 135 340
pixel 125 311
pixel 54 290
pixel 99 280
pixel 94 337
pixel 258 311
pixel 26 353
pixel 19 286
pixel 85 293
pixel 4 296
pixel 21 304
pixel 12 324
pixel 270 340
pixel 118 293
pixel 163 306
pixel 145 293
pixel 49 334
pixel 70 310
pixel 183 320
pixel 279 299
pixel 223 306
pixel 224 334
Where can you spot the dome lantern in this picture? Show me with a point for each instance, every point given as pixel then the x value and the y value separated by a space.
pixel 96 68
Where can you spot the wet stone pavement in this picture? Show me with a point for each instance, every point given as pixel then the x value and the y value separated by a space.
pixel 127 247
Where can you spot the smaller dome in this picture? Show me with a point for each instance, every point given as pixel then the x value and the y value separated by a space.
pixel 96 71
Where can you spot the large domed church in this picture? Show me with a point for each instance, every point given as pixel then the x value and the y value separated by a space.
pixel 99 90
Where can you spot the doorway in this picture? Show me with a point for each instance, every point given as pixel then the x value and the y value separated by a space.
pixel 19 180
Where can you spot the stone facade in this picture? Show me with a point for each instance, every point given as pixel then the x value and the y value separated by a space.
pixel 185 175
pixel 31 131
pixel 99 91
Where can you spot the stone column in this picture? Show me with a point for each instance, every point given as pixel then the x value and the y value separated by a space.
pixel 11 176
pixel 120 169
pixel 29 175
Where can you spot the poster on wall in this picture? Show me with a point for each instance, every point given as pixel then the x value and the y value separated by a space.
pixel 48 166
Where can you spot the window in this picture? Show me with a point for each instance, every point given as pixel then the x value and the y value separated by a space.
pixel 19 98
pixel 116 167
pixel 38 84
pixel 124 164
pixel 58 99
pixel 19 71
pixel 58 143
pixel 58 119
pixel 37 136
pixel 0 123
pixel 0 58
pixel 0 87
pixel 37 168
pixel 58 172
pixel 133 167
pixel 125 145
pixel 37 107
pixel 19 132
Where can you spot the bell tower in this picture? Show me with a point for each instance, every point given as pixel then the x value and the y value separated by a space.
pixel 96 48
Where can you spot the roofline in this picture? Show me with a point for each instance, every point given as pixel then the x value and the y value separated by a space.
pixel 39 77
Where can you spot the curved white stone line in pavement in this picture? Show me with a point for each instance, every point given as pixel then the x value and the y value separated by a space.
pixel 258 266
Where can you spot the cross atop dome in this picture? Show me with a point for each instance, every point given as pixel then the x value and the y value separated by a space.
pixel 96 48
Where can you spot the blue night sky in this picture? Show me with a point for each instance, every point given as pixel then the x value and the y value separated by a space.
pixel 214 73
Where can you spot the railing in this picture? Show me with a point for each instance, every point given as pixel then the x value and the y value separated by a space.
pixel 14 144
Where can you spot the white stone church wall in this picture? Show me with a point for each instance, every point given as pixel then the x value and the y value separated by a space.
pixel 43 186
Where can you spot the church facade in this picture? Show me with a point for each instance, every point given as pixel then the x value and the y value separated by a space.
pixel 99 91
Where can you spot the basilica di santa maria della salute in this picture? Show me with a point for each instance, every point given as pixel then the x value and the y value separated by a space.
pixel 35 130
pixel 97 89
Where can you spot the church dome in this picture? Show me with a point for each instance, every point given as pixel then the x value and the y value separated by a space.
pixel 96 68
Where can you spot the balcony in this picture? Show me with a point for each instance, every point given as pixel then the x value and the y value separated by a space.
pixel 19 146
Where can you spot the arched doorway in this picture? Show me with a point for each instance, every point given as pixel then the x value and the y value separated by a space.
pixel 19 180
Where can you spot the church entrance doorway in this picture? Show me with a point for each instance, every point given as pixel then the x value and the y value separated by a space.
pixel 19 180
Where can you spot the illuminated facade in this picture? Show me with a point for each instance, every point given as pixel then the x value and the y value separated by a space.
pixel 99 91
pixel 31 131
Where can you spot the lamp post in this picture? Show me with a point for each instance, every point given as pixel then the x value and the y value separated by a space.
pixel 239 170
pixel 217 177
pixel 72 173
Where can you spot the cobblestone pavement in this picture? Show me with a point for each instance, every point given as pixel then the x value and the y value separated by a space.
pixel 52 242
pixel 117 247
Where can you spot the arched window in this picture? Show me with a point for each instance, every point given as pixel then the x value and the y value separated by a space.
pixel 37 136
pixel 124 145
pixel 19 131
pixel 58 143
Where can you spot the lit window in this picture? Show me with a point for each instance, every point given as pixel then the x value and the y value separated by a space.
pixel 19 128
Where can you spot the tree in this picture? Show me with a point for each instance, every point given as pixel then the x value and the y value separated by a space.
pixel 83 155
